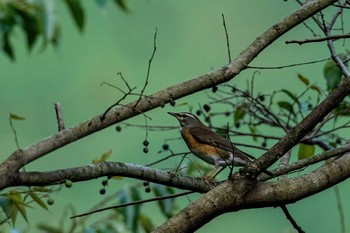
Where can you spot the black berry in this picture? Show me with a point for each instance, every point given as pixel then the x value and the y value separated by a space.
pixel 145 183
pixel 50 201
pixel 145 150
pixel 118 128
pixel 104 182
pixel 146 142
pixel 165 146
pixel 172 102
pixel 206 107
pixel 214 89
pixel 102 191
pixel 148 189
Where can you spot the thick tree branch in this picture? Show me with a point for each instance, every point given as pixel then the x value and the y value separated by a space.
pixel 94 171
pixel 242 193
pixel 97 170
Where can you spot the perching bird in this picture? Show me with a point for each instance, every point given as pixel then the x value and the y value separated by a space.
pixel 208 145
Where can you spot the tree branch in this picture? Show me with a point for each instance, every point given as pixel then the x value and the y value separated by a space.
pixel 97 170
pixel 243 193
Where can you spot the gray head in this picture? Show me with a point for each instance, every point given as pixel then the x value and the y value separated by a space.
pixel 186 119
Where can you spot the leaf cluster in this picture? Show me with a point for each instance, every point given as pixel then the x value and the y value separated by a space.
pixel 37 19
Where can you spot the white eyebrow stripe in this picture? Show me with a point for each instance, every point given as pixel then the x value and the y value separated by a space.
pixel 187 114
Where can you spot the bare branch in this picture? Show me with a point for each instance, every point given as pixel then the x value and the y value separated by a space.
pixel 102 169
pixel 307 162
pixel 333 38
pixel 227 38
pixel 286 66
pixel 59 116
pixel 291 219
pixel 149 66
pixel 340 209
pixel 14 132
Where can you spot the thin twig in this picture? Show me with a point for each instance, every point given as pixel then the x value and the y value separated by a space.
pixel 149 65
pixel 308 161
pixel 327 31
pixel 167 157
pixel 286 66
pixel 333 38
pixel 59 116
pixel 291 219
pixel 133 203
pixel 15 133
pixel 227 38
pixel 340 209
pixel 125 95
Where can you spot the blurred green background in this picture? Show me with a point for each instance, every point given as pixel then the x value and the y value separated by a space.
pixel 191 42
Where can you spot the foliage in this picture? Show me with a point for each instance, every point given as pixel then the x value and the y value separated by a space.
pixel 37 19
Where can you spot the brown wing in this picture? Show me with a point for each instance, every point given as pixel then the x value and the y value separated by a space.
pixel 208 136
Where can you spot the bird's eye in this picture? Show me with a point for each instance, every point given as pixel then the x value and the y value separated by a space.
pixel 184 116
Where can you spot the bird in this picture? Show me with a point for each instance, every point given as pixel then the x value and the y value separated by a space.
pixel 209 146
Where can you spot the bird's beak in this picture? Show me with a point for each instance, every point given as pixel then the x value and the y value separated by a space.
pixel 174 114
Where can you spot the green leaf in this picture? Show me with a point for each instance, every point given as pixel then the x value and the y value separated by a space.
pixel 146 223
pixel 252 129
pixel 19 204
pixel 45 227
pixel 332 74
pixel 7 47
pixel 41 189
pixel 16 117
pixel 49 23
pixel 239 114
pixel 37 199
pixel 7 206
pixel 316 88
pixel 343 109
pixel 304 79
pixel 131 213
pixel 101 2
pixel 106 155
pixel 305 151
pixel 77 12
pixel 291 95
pixel 122 4
pixel 29 22
pixel 167 206
pixel 103 157
pixel 286 105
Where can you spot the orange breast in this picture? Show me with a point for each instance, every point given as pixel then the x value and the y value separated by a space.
pixel 207 152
